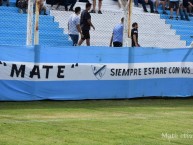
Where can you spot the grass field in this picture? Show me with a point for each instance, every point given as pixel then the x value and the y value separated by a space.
pixel 103 122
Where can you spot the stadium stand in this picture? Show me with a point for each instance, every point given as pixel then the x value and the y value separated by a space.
pixel 153 31
pixel 156 32
pixel 14 25
pixel 183 28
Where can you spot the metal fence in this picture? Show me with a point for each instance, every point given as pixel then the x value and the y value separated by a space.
pixel 155 30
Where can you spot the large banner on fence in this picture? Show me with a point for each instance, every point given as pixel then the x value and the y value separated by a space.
pixel 93 71
pixel 75 73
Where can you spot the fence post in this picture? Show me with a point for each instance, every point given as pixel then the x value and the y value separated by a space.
pixel 125 28
pixel 129 17
pixel 127 24
pixel 36 31
pixel 29 22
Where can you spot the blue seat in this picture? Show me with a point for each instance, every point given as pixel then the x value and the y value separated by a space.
pixel 183 28
pixel 14 26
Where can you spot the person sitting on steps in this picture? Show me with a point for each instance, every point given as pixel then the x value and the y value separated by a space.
pixel 147 2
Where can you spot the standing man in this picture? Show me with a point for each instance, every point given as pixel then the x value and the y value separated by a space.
pixel 134 35
pixel 74 26
pixel 85 24
pixel 117 36
pixel 99 6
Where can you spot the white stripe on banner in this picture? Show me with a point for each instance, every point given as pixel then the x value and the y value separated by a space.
pixel 93 71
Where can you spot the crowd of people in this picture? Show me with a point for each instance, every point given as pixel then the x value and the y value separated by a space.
pixel 82 25
pixel 183 8
pixel 68 5
pixel 23 5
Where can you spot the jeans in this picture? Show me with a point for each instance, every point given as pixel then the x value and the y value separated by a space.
pixel 74 38
pixel 136 3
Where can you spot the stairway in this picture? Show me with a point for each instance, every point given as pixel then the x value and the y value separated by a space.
pixel 14 26
pixel 182 28
pixel 153 31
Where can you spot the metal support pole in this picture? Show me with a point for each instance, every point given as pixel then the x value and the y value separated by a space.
pixel 29 23
pixel 125 28
pixel 127 24
pixel 36 31
pixel 129 17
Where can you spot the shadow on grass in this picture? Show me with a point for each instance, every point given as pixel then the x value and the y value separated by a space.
pixel 92 104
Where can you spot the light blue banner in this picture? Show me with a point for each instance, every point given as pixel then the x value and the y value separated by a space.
pixel 77 73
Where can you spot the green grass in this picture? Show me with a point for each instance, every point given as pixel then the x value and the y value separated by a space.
pixel 103 122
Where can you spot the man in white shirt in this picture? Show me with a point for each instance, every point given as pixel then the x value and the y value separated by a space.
pixel 74 26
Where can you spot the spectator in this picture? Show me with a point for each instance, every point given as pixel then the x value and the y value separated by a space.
pixel 65 3
pixel 1 2
pixel 146 2
pixel 172 4
pixel 74 26
pixel 22 5
pixel 167 6
pixel 117 36
pixel 56 2
pixel 190 8
pixel 85 24
pixel 183 9
pixel 99 6
pixel 71 3
pixel 134 35
pixel 42 7
pixel 163 3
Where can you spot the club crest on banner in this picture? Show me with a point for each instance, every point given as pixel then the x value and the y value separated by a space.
pixel 99 71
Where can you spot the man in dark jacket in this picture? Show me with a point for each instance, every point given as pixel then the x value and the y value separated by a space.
pixel 85 24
